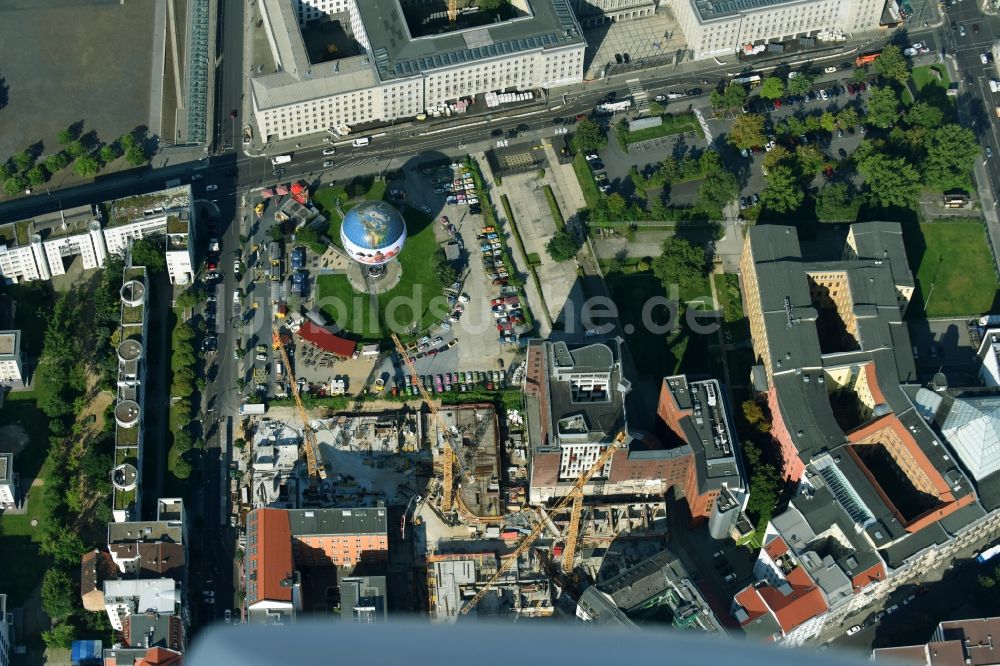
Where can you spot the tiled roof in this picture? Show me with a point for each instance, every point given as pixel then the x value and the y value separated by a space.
pixel 161 657
pixel 274 554
pixel 801 600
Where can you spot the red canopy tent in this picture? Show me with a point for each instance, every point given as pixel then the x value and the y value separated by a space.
pixel 326 340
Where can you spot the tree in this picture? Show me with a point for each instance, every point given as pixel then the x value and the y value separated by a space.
pixel 951 152
pixel 715 193
pixel 772 88
pixel 775 156
pixel 801 84
pixel 135 155
pixel 860 74
pixel 37 175
pixel 15 185
pixel 924 115
pixel 837 202
pixel 847 117
pixel 755 416
pixel 655 109
pixel 57 594
pixel 891 181
pixel 588 136
pixel 562 246
pixel 23 160
pixel 56 162
pixel 108 154
pixel 65 137
pixel 275 232
pixel 731 97
pixel 86 166
pixel 59 636
pixel 680 263
pixel 617 206
pixel 986 581
pixel 828 121
pixel 446 273
pixel 810 159
pixel 892 65
pixel 783 192
pixel 882 107
pixel 5 171
pixel 76 148
pixel 149 253
pixel 747 131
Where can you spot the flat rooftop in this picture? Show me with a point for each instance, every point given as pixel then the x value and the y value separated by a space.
pixel 6 467
pixel 10 342
pixel 322 522
pixel 708 10
pixel 133 209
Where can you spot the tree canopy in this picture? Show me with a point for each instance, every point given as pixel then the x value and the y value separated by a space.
pixel 837 202
pixel 562 246
pixel 588 136
pixel 882 107
pixel 680 263
pixel 783 192
pixel 732 96
pixel 892 181
pixel 892 65
pixel 800 84
pixel 772 88
pixel 951 152
pixel 747 131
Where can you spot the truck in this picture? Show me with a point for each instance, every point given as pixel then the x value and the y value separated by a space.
pixel 866 59
pixel 361 142
pixel 613 107
pixel 988 554
pixel 281 159
pixel 989 320
pixel 251 409
pixel 994 85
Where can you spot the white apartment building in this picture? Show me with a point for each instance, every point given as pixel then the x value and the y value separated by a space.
pixel 57 237
pixel 721 27
pixel 401 75
pixel 6 632
pixel 10 359
pixel 8 487
pixel 126 597
pixel 595 12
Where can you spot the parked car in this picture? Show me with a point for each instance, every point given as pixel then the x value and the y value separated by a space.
pixel 853 630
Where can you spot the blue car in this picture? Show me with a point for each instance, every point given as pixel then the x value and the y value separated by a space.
pixel 298 258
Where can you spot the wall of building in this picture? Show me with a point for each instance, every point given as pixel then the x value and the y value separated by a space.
pixel 339 550
pixel 792 464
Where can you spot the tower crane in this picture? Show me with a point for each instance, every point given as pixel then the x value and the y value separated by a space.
pixel 452 10
pixel 447 471
pixel 572 533
pixel 575 491
pixel 313 463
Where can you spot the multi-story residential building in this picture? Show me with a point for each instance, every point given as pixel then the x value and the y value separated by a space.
pixel 44 246
pixel 576 404
pixel 152 548
pixel 720 27
pixel 406 68
pixel 880 498
pixel 6 632
pixel 150 630
pixel 96 566
pixel 130 596
pixel 11 360
pixel 8 482
pixel 126 474
pixel 155 656
pixel 954 643
pixel 281 542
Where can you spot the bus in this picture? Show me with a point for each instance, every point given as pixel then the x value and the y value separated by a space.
pixel 866 59
pixel 988 554
pixel 281 159
pixel 749 80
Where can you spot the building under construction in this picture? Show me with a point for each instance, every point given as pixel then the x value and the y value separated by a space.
pixel 453 579
pixel 385 432
pixel 478 497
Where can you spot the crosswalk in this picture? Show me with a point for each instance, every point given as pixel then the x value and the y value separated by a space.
pixel 638 94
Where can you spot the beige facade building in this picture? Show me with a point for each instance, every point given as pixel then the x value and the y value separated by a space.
pixel 720 27
pixel 401 72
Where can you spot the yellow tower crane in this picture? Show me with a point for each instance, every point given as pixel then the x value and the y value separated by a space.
pixel 572 533
pixel 452 11
pixel 453 451
pixel 313 463
pixel 575 491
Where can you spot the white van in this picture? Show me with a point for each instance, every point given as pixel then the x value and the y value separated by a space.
pixel 278 369
pixel 363 141
pixel 281 159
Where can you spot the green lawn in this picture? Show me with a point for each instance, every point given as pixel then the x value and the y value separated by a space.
pixel 18 539
pixel 583 174
pixel 672 124
pixel 925 75
pixel 417 296
pixel 953 268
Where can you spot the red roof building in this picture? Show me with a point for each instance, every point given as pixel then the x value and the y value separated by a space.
pixel 325 340
pixel 270 573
